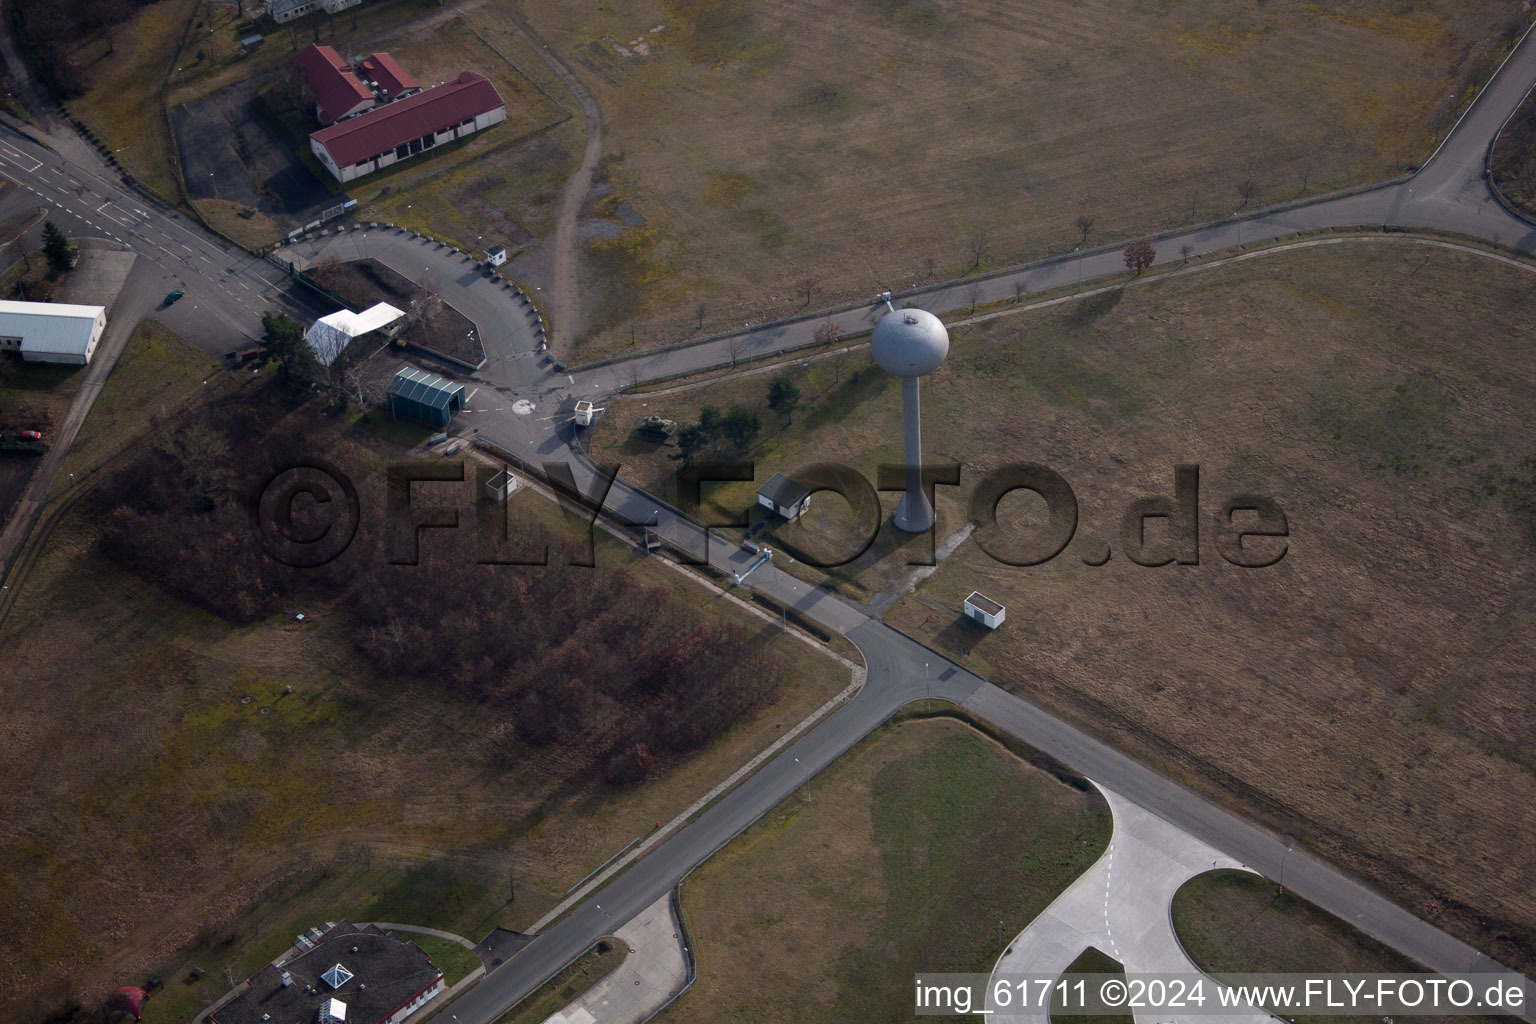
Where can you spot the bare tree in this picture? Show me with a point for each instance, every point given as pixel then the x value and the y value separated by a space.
pixel 699 310
pixel 1185 250
pixel 930 269
pixel 808 286
pixel 827 332
pixel 1085 225
pixel 427 299
pixel 366 389
pixel 977 244
pixel 204 452
pixel 1018 290
pixel 973 293
pixel 839 365
pixel 734 344
pixel 1246 189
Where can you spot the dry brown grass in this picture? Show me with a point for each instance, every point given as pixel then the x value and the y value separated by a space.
pixel 223 216
pixel 122 106
pixel 1369 694
pixel 150 801
pixel 158 372
pixel 868 144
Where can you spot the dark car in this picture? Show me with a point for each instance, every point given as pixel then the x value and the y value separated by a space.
pixel 171 299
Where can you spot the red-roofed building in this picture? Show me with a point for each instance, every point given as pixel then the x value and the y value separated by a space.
pixel 408 127
pixel 337 91
pixel 384 71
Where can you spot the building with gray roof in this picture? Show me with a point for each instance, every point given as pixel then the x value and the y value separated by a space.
pixel 51 332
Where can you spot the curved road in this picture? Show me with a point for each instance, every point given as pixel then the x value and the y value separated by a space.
pixel 1449 194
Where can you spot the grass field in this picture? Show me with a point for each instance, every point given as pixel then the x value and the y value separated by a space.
pixel 224 217
pixel 122 106
pixel 451 958
pixel 883 143
pixel 1366 694
pixel 175 808
pixel 158 372
pixel 1092 961
pixel 1514 157
pixel 1236 922
pixel 592 967
pixel 922 849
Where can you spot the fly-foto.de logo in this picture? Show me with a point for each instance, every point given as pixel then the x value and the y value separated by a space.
pixel 1248 530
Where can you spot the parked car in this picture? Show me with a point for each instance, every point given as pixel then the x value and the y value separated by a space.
pixel 31 435
pixel 171 299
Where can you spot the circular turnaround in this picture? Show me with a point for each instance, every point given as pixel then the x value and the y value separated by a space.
pixel 909 342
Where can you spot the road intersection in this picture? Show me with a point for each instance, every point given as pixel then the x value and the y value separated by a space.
pixel 231 289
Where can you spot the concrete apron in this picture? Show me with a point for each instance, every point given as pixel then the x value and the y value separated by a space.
pixel 1121 905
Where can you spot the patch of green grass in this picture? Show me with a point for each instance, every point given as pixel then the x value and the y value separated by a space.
pixel 1402 428
pixel 591 967
pixel 1517 489
pixel 926 848
pixel 1048 364
pixel 1234 922
pixel 452 959
pixel 1092 961
pixel 435 894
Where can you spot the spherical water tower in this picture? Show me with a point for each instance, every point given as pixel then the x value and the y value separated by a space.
pixel 910 343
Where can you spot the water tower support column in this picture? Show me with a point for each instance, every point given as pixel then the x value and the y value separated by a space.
pixel 914 514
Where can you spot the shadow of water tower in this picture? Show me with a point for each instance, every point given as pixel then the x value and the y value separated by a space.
pixel 910 343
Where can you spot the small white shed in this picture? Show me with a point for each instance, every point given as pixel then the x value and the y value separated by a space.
pixel 784 497
pixel 496 255
pixel 984 610
pixel 502 486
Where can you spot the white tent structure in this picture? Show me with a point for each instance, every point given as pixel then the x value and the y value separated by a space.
pixel 333 333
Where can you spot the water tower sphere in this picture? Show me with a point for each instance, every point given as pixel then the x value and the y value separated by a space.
pixel 909 342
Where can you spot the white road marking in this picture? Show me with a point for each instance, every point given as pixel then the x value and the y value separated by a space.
pixel 11 154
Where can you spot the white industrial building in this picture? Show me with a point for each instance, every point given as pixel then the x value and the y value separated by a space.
pixel 984 610
pixel 51 332
pixel 286 10
pixel 784 496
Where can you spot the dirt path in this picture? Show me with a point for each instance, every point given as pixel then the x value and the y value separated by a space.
pixel 565 317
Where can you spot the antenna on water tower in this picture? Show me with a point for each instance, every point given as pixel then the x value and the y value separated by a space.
pixel 910 343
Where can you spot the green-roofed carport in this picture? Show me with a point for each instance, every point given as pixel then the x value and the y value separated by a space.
pixel 419 395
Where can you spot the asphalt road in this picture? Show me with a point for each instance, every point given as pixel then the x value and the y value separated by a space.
pixel 232 288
